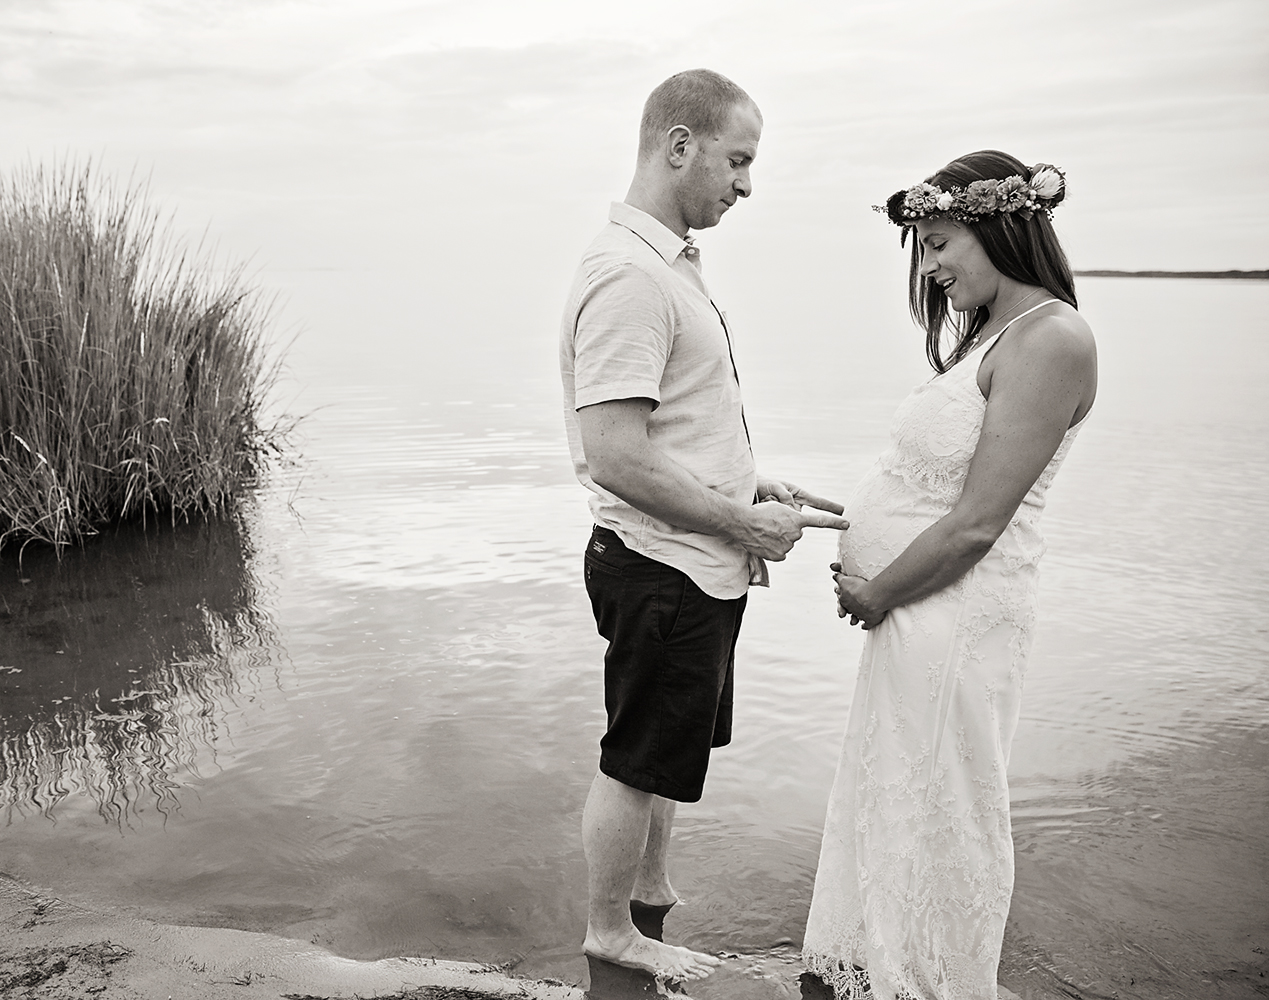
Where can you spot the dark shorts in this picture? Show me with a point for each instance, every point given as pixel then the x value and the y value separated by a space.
pixel 667 672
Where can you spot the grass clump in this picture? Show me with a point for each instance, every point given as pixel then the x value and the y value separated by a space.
pixel 132 381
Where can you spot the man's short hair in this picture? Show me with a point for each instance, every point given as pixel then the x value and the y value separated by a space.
pixel 698 98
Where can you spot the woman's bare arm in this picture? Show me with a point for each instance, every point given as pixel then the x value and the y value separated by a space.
pixel 1040 380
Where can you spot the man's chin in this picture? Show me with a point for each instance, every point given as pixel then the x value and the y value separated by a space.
pixel 707 221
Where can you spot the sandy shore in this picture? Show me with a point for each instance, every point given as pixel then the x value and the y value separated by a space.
pixel 53 949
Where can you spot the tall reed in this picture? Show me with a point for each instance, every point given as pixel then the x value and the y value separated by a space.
pixel 132 380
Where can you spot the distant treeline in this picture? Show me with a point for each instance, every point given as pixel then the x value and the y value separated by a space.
pixel 1252 275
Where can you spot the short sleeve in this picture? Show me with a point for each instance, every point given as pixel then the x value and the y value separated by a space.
pixel 623 337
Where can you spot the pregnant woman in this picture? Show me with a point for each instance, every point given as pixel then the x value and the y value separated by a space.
pixel 940 566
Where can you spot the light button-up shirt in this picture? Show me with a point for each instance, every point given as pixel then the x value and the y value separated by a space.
pixel 640 324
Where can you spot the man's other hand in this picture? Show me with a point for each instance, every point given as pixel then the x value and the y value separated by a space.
pixel 792 495
pixel 770 530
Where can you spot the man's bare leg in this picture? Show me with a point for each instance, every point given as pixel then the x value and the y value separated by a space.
pixel 652 880
pixel 615 832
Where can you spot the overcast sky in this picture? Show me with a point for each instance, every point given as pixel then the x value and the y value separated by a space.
pixel 477 141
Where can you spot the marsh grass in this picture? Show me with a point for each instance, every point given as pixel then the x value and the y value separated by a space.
pixel 133 378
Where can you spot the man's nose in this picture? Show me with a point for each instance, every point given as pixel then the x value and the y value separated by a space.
pixel 743 185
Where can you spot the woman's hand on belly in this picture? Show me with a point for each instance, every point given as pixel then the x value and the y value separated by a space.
pixel 853 598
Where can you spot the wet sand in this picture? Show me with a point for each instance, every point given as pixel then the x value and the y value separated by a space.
pixel 53 949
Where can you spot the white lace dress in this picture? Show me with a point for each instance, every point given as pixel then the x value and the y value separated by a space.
pixel 916 866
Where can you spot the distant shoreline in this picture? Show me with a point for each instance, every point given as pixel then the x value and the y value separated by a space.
pixel 1245 275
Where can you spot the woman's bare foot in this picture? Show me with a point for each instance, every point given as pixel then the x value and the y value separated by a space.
pixel 634 951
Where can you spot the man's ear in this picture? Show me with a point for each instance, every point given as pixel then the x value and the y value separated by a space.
pixel 677 141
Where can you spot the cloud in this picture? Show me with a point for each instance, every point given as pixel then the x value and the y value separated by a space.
pixel 300 99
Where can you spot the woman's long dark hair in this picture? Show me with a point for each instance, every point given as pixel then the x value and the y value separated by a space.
pixel 1026 250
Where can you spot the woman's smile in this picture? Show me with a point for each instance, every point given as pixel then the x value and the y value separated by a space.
pixel 953 259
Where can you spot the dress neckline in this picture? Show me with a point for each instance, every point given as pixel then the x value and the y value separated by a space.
pixel 982 349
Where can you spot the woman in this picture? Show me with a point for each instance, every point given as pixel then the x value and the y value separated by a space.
pixel 940 565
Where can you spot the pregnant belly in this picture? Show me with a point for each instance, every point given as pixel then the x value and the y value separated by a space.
pixel 885 515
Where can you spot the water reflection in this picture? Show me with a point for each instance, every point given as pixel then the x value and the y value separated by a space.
pixel 1102 855
pixel 116 663
pixel 614 982
pixel 415 784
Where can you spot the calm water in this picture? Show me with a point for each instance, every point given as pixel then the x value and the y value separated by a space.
pixel 367 715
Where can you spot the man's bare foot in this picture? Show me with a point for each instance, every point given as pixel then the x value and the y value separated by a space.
pixel 634 951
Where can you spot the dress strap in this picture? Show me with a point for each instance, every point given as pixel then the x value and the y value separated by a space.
pixel 1025 312
pixel 982 349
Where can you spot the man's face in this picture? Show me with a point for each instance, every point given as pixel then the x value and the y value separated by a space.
pixel 718 171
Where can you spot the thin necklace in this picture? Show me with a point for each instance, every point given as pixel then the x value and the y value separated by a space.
pixel 1021 302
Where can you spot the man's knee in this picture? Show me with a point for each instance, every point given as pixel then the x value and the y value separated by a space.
pixel 610 787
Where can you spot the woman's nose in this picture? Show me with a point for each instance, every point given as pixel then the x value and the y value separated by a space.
pixel 928 265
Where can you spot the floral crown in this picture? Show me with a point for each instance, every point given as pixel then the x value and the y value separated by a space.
pixel 979 200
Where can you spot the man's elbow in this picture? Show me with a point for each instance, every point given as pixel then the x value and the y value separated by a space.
pixel 606 469
pixel 603 477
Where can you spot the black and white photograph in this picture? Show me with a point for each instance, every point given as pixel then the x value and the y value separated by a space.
pixel 562 500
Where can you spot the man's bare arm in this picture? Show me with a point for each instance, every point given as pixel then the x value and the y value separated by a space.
pixel 623 461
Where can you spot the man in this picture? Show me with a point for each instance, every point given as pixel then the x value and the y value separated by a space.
pixel 656 432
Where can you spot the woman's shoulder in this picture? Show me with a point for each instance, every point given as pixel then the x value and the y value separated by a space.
pixel 1050 353
pixel 1057 334
pixel 1053 346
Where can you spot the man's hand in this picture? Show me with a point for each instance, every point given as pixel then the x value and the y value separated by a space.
pixel 769 530
pixel 853 599
pixel 623 461
pixel 793 496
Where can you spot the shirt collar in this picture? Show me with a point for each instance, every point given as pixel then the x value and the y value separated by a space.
pixel 664 241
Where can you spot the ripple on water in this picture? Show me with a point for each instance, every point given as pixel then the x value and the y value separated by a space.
pixel 370 719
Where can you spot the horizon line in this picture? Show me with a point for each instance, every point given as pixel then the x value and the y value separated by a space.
pixel 1113 273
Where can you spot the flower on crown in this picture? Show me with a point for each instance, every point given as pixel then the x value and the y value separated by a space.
pixel 1047 181
pixel 981 199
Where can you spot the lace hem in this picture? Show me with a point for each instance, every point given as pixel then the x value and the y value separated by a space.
pixel 848 983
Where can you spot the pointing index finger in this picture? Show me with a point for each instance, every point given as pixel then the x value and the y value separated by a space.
pixel 820 503
pixel 812 519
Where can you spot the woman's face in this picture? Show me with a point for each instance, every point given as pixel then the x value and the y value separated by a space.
pixel 952 256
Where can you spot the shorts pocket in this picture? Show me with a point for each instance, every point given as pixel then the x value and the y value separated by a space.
pixel 604 557
pixel 673 595
pixel 593 568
